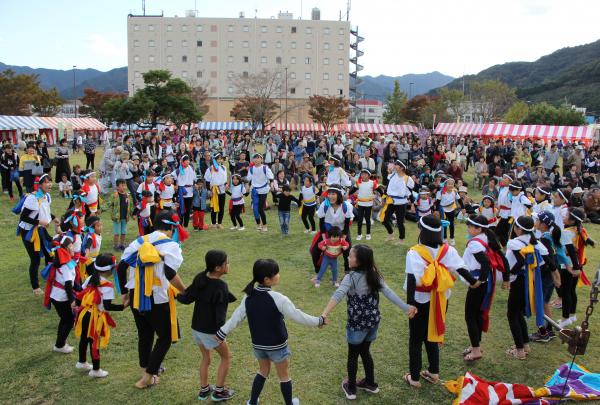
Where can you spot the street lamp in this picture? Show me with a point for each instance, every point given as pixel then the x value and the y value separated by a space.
pixel 286 97
pixel 132 89
pixel 74 95
pixel 410 90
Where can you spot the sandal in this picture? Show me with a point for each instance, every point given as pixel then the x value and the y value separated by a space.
pixel 513 352
pixel 410 382
pixel 470 358
pixel 526 348
pixel 467 351
pixel 427 376
pixel 153 382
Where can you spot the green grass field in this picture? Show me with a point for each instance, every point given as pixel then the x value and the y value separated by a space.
pixel 32 373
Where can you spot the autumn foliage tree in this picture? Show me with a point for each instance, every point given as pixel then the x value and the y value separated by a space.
pixel 260 111
pixel 20 94
pixel 328 110
pixel 94 101
pixel 414 108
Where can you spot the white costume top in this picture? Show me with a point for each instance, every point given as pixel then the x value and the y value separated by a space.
pixel 151 187
pixel 519 243
pixel 259 177
pixel 40 209
pixel 186 180
pixel 540 207
pixel 366 193
pixel 237 194
pixel 520 205
pixel 424 205
pixel 216 177
pixel 474 247
pixel 170 252
pixel 399 188
pixel 559 213
pixel 106 292
pixel 309 196
pixel 490 214
pixel 335 217
pixel 338 176
pixel 448 200
pixel 63 274
pixel 504 200
pixel 166 195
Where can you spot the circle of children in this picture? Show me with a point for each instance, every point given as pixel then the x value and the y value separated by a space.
pixel 526 234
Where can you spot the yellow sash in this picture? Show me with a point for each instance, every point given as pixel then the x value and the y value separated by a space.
pixel 173 292
pixel 35 239
pixel 99 324
pixel 387 201
pixel 214 199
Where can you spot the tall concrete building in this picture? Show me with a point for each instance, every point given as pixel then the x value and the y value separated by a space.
pixel 213 52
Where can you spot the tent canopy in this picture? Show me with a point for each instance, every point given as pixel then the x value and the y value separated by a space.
pixel 13 122
pixel 78 124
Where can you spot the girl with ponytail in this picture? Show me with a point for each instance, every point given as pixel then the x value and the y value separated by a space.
pixel 266 311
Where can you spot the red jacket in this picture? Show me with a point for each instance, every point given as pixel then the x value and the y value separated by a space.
pixel 333 249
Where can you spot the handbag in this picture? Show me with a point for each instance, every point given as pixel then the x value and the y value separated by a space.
pixel 37 170
pixel 14 176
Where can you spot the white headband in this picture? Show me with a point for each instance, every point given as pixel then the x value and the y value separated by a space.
pixel 507 176
pixel 470 221
pixel 576 217
pixel 64 238
pixel 429 228
pixel 559 191
pixel 104 268
pixel 334 189
pixel 541 190
pixel 522 227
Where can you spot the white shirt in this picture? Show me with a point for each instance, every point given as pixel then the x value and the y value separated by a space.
pixel 40 209
pixel 559 213
pixel 448 200
pixel 92 195
pixel 167 195
pixel 368 164
pixel 65 186
pixel 520 205
pixel 170 253
pixel 237 194
pixel 415 265
pixel 398 188
pixel 474 247
pixel 216 178
pixel 335 217
pixel 63 274
pixel 338 176
pixel 186 180
pixel 504 200
pixel 519 243
pixel 540 207
pixel 259 177
pixel 424 205
pixel 308 193
pixel 489 213
pixel 106 292
pixel 143 186
pixel 365 192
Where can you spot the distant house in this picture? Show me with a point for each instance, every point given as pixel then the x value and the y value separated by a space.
pixel 368 112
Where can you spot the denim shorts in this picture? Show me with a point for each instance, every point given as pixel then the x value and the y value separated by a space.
pixel 207 341
pixel 276 356
pixel 547 286
pixel 120 227
pixel 356 337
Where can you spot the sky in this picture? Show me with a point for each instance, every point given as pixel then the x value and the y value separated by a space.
pixel 454 37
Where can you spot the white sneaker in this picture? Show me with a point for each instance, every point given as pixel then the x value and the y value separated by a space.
pixel 259 228
pixel 452 243
pixel 243 228
pixel 264 228
pixel 295 401
pixel 564 323
pixel 368 237
pixel 336 284
pixel 306 230
pixel 573 319
pixel 317 285
pixel 66 349
pixel 98 373
pixel 83 366
pixel 233 228
pixel 313 232
pixel 358 237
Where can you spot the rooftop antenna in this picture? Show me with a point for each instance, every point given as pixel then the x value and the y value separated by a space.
pixel 144 7
pixel 255 13
pixel 300 9
pixel 347 15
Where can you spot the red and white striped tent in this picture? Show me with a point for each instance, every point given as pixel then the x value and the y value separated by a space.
pixel 78 124
pixel 500 130
pixel 383 128
pixel 306 127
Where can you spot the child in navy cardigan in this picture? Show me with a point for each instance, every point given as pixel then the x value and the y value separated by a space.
pixel 265 310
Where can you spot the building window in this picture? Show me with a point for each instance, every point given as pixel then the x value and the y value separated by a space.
pixel 199 44
pixel 184 74
pixel 293 30
pixel 136 27
pixel 293 60
pixel 371 110
pixel 341 92
pixel 340 76
pixel 229 44
pixel 151 58
pixel 307 61
pixel 199 74
pixel 263 59
pixel 308 45
pixel 230 28
pixel 230 90
pixel 278 44
pixel 340 61
pixel 184 59
pixel 213 59
pixel 278 75
pixel 263 28
pixel 230 74
pixel 325 76
pixel 293 75
pixel 246 28
pixel 326 30
pixel 137 75
pixel 306 76
pixel 325 45
pixel 136 43
pixel 340 47
pixel 184 28
pixel 326 92
pixel 245 44
pixel 169 27
pixel 263 44
pixel 199 28
pixel 293 45
pixel 184 43
pixel 213 44
pixel 213 74
pixel 136 58
pixel 293 90
pixel 169 43
pixel 307 91
pixel 342 31
pixel 246 59
pixel 308 30
pixel 199 59
pixel 151 27
pixel 230 59
pixel 279 29
pixel 278 60
pixel 169 58
pixel 244 74
pixel 213 28
pixel 326 61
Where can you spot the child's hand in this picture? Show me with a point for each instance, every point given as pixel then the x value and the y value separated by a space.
pixel 126 300
pixel 505 285
pixel 476 285
pixel 412 311
pixel 217 339
pixel 323 248
pixel 345 247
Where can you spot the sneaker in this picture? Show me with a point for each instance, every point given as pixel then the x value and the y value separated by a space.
pixel 358 237
pixel 242 228
pixel 313 232
pixel 336 284
pixel 346 388
pixel 264 228
pixel 452 242
pixel 204 393
pixel 563 323
pixel 98 373
pixel 257 401
pixel 295 401
pixel 233 228
pixel 317 284
pixel 306 230
pixel 551 334
pixel 368 237
pixel 66 349
pixel 259 228
pixel 540 337
pixel 223 395
pixel 83 366
pixel 364 385
pixel 573 319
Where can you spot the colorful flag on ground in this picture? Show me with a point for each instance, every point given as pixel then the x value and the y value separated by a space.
pixel 581 386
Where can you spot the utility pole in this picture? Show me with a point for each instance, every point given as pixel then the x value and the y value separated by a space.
pixel 74 95
pixel 410 86
pixel 286 97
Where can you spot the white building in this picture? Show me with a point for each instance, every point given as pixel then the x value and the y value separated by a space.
pixel 368 111
pixel 210 52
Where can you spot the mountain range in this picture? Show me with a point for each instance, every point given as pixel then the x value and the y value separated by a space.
pixel 378 87
pixel 570 75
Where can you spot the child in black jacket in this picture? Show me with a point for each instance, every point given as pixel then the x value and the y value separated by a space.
pixel 211 297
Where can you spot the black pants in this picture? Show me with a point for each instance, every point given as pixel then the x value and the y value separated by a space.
pixel 5 179
pixel 132 187
pixel 262 217
pixel 85 341
pixel 515 312
pixel 449 216
pixel 315 253
pixel 594 217
pixel 308 216
pixel 217 217
pixel 418 328
pixel 148 323
pixel 568 287
pixel 89 160
pixel 34 261
pixel 9 186
pixel 502 230
pixel 187 203
pixel 474 314
pixel 275 199
pixel 64 311
pixel 236 215
pixel 400 211
pixel 364 213
pixel 362 350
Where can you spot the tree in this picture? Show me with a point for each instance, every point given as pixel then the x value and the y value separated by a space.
pixel 517 113
pixel 491 99
pixel 546 114
pixel 47 103
pixel 199 96
pixel 328 110
pixel 128 111
pixel 94 101
pixel 454 101
pixel 259 111
pixel 394 104
pixel 17 92
pixel 435 111
pixel 414 108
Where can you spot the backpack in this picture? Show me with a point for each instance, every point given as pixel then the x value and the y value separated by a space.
pixel 496 262
pixel 264 169
pixel 19 205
